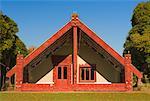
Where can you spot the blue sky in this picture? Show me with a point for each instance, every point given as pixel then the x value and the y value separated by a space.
pixel 40 19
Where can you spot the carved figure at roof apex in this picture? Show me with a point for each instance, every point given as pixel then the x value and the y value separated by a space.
pixel 74 16
pixel 75 19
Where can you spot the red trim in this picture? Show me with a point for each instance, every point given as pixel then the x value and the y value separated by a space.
pixel 75 52
pixel 62 83
pixel 41 48
pixel 11 72
pixel 79 87
pixel 90 34
pixel 99 41
pixel 19 72
pixel 101 87
pixel 47 43
pixel 105 46
pixel 87 66
pixel 66 62
pixel 87 81
pixel 135 71
pixel 84 65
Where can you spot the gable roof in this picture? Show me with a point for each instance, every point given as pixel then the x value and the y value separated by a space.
pixel 107 48
pixel 75 22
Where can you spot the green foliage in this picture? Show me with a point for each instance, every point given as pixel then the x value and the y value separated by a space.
pixel 8 37
pixel 8 29
pixel 10 44
pixel 141 14
pixel 138 40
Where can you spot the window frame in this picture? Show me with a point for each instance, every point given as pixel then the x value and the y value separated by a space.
pixel 62 72
pixel 89 67
pixel 65 72
pixel 59 72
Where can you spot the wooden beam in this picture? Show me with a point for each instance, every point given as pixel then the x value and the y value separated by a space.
pixel 75 52
pixel 100 42
pixel 107 48
pixel 79 41
pixel 47 43
pixel 128 73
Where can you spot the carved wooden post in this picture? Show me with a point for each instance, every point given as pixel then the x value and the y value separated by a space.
pixel 139 82
pixel 74 21
pixel 19 71
pixel 128 73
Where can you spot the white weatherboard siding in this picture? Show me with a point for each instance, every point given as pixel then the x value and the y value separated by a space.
pixel 47 79
pixel 99 78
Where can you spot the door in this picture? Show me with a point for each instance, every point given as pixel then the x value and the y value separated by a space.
pixel 62 76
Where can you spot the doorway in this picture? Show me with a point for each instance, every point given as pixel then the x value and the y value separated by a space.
pixel 62 76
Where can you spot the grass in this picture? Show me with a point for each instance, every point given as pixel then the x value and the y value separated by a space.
pixel 145 87
pixel 80 96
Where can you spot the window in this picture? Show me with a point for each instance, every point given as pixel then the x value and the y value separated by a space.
pixel 92 74
pixel 59 72
pixel 82 73
pixel 62 73
pixel 65 72
pixel 87 74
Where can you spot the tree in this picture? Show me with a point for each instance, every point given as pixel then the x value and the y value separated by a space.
pixel 10 45
pixel 138 40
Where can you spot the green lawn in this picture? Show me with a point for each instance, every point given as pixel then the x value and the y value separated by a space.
pixel 16 96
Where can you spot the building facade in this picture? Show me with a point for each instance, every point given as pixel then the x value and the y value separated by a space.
pixel 74 59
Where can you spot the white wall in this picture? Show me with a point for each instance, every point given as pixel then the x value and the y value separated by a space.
pixel 47 79
pixel 99 78
pixel 103 67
